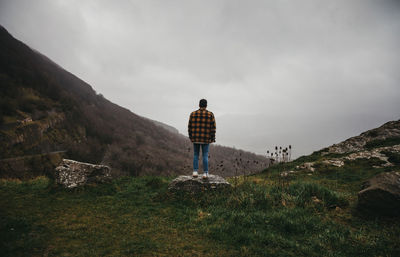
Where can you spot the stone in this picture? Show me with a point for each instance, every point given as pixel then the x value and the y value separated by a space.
pixel 315 199
pixel 334 162
pixel 381 194
pixel 73 174
pixel 195 185
pixel 307 166
pixel 284 174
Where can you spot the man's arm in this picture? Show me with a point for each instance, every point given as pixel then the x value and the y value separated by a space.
pixel 190 126
pixel 213 128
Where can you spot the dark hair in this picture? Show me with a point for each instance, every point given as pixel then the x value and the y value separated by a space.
pixel 203 103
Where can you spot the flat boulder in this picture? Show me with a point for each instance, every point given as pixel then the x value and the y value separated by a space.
pixel 195 185
pixel 381 195
pixel 72 173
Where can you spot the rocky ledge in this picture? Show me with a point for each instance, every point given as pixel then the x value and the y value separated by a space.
pixel 388 130
pixel 378 153
pixel 72 173
pixel 195 185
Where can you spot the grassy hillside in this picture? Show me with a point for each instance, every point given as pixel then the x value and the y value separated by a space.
pixel 307 215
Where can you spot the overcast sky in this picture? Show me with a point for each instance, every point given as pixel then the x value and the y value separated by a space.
pixel 305 73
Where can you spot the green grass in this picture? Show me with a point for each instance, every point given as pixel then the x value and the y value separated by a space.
pixel 312 216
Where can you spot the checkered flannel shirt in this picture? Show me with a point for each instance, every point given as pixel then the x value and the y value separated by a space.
pixel 202 126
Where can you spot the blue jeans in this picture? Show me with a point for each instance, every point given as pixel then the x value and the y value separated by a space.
pixel 204 149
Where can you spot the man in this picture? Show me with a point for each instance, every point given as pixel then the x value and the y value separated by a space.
pixel 201 130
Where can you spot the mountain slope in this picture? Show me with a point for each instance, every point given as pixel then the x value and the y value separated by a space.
pixel 385 135
pixel 44 108
pixel 352 161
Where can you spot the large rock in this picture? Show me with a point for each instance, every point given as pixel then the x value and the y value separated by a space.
pixel 194 185
pixel 381 194
pixel 72 173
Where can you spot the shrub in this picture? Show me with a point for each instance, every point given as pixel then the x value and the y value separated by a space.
pixel 382 142
pixel 393 157
pixel 155 182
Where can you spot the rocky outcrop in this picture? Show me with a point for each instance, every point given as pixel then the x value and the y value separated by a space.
pixel 334 162
pixel 381 195
pixel 388 130
pixel 33 135
pixel 378 153
pixel 306 166
pixel 72 173
pixel 195 185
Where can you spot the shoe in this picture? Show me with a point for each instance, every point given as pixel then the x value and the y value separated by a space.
pixel 195 174
pixel 205 175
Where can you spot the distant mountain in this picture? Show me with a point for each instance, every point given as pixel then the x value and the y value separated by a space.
pixel 163 125
pixel 44 108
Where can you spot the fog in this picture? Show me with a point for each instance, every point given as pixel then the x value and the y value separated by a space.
pixel 305 73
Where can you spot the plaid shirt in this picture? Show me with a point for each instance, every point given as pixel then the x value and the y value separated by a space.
pixel 201 126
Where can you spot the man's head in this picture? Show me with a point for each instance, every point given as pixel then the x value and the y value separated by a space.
pixel 203 103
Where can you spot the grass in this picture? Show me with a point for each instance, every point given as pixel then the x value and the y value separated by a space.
pixel 312 216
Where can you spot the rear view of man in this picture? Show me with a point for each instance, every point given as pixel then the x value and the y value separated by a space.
pixel 201 130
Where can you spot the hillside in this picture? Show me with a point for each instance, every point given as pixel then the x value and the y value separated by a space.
pixel 380 145
pixel 351 162
pixel 44 108
pixel 386 135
